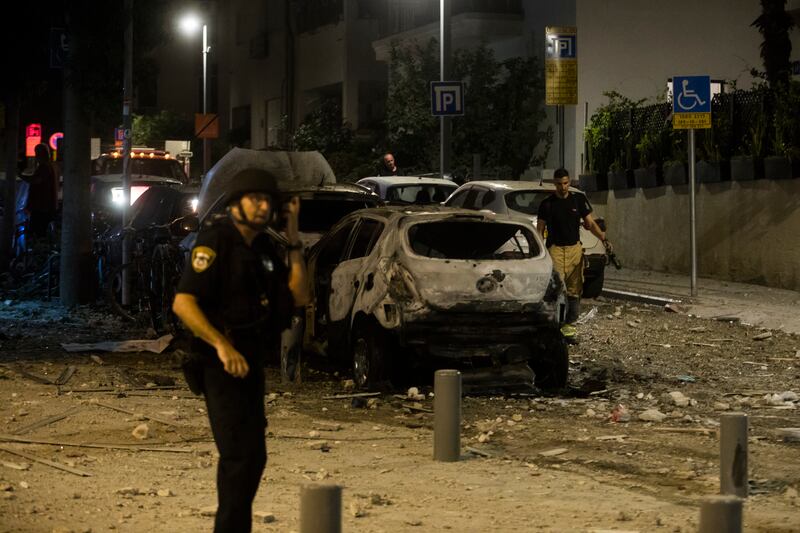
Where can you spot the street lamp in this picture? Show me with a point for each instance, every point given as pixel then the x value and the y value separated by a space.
pixel 189 24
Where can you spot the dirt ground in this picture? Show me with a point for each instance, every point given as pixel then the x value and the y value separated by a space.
pixel 598 471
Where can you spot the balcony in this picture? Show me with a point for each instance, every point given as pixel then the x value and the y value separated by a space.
pixel 400 16
pixel 417 21
pixel 313 14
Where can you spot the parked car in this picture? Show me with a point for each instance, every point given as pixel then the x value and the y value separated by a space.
pixel 522 198
pixel 410 189
pixel 157 206
pixel 399 285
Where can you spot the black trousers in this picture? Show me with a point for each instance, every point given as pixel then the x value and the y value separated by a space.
pixel 236 413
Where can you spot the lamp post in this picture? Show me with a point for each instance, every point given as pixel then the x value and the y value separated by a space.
pixel 190 24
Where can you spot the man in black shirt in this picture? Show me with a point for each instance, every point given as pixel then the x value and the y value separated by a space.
pixel 559 219
pixel 236 295
pixel 387 166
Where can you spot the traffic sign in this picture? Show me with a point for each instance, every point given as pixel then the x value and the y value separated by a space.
pixel 561 65
pixel 691 102
pixel 206 126
pixel 447 98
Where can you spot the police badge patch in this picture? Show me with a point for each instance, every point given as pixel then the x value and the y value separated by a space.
pixel 202 257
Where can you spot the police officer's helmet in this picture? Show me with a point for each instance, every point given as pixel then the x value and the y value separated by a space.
pixel 251 180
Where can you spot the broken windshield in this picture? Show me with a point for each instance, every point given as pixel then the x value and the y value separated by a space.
pixel 471 239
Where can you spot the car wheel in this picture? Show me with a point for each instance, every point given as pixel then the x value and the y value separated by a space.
pixel 550 362
pixel 370 358
pixel 593 286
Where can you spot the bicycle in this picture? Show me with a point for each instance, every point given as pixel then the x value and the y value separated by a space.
pixel 153 274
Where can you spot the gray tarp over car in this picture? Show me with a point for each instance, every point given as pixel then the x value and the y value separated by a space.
pixel 296 168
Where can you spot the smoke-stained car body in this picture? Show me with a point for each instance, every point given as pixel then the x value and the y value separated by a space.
pixel 396 285
pixel 522 198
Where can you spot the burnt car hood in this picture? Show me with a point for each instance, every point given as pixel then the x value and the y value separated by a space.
pixel 300 168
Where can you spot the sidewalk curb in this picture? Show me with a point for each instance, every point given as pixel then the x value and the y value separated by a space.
pixel 617 294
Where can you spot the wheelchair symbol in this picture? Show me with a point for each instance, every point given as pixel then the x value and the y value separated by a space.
pixel 689 95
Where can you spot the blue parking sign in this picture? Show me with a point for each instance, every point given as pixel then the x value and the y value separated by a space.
pixel 691 94
pixel 447 98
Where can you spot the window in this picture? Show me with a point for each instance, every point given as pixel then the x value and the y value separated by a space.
pixel 418 194
pixel 333 248
pixel 472 240
pixel 472 198
pixel 366 237
pixel 458 199
pixel 525 201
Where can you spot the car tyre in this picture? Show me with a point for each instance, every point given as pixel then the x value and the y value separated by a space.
pixel 550 362
pixel 370 357
pixel 594 286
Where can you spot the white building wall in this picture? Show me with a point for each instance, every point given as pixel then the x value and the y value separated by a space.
pixel 634 46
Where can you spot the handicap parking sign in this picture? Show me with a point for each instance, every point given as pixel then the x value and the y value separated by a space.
pixel 691 94
pixel 691 102
pixel 447 98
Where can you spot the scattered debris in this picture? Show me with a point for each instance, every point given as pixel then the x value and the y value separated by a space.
pixel 763 336
pixel 553 452
pixel 652 415
pixel 210 510
pixel 478 451
pixel 620 414
pixel 141 431
pixel 143 416
pixel 45 421
pixel 414 394
pixel 587 316
pixel 47 462
pixel 263 517
pixel 348 385
pixel 354 395
pixel 156 346
pixel 16 466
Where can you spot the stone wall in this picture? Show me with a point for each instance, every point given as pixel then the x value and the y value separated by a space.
pixel 747 231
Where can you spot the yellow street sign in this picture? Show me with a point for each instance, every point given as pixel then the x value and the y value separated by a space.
pixel 691 121
pixel 561 65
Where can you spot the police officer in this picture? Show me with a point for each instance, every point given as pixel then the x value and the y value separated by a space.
pixel 561 215
pixel 236 296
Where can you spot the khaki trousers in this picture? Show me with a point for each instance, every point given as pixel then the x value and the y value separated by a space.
pixel 568 262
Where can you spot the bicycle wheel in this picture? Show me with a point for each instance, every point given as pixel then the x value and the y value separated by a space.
pixel 163 280
pixel 138 308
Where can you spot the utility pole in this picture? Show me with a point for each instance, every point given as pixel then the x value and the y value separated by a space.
pixel 127 125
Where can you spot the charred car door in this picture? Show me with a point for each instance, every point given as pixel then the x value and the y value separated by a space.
pixel 348 278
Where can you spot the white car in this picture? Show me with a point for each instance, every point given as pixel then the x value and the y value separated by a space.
pixel 406 190
pixel 522 198
pixel 400 286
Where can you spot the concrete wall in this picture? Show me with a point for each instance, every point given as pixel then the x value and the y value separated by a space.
pixel 746 231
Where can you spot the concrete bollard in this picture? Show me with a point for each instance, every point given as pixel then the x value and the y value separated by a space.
pixel 733 455
pixel 721 514
pixel 320 509
pixel 447 415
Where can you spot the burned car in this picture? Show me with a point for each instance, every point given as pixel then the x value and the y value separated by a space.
pixel 396 286
pixel 522 198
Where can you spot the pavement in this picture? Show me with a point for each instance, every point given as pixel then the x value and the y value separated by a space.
pixel 757 305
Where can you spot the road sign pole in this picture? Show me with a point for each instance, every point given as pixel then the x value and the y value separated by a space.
pixel 444 74
pixel 560 120
pixel 692 214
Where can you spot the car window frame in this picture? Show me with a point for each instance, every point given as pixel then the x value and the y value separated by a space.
pixel 372 241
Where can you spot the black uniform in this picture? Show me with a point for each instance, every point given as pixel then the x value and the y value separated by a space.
pixel 563 217
pixel 243 291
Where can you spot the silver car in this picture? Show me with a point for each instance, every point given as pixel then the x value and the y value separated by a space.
pixel 403 285
pixel 522 198
pixel 418 190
